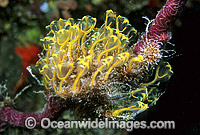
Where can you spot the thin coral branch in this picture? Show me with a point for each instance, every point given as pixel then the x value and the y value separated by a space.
pixel 13 117
pixel 160 26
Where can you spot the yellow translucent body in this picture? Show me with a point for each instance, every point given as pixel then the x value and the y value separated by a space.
pixel 74 49
pixel 80 57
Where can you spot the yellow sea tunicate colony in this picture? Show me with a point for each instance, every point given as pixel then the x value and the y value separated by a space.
pixel 82 58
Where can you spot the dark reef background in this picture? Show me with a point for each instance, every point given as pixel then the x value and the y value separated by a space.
pixel 181 99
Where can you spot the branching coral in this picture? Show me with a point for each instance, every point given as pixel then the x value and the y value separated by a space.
pixel 97 70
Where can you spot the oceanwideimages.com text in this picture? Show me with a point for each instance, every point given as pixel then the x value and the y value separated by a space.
pixel 100 124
